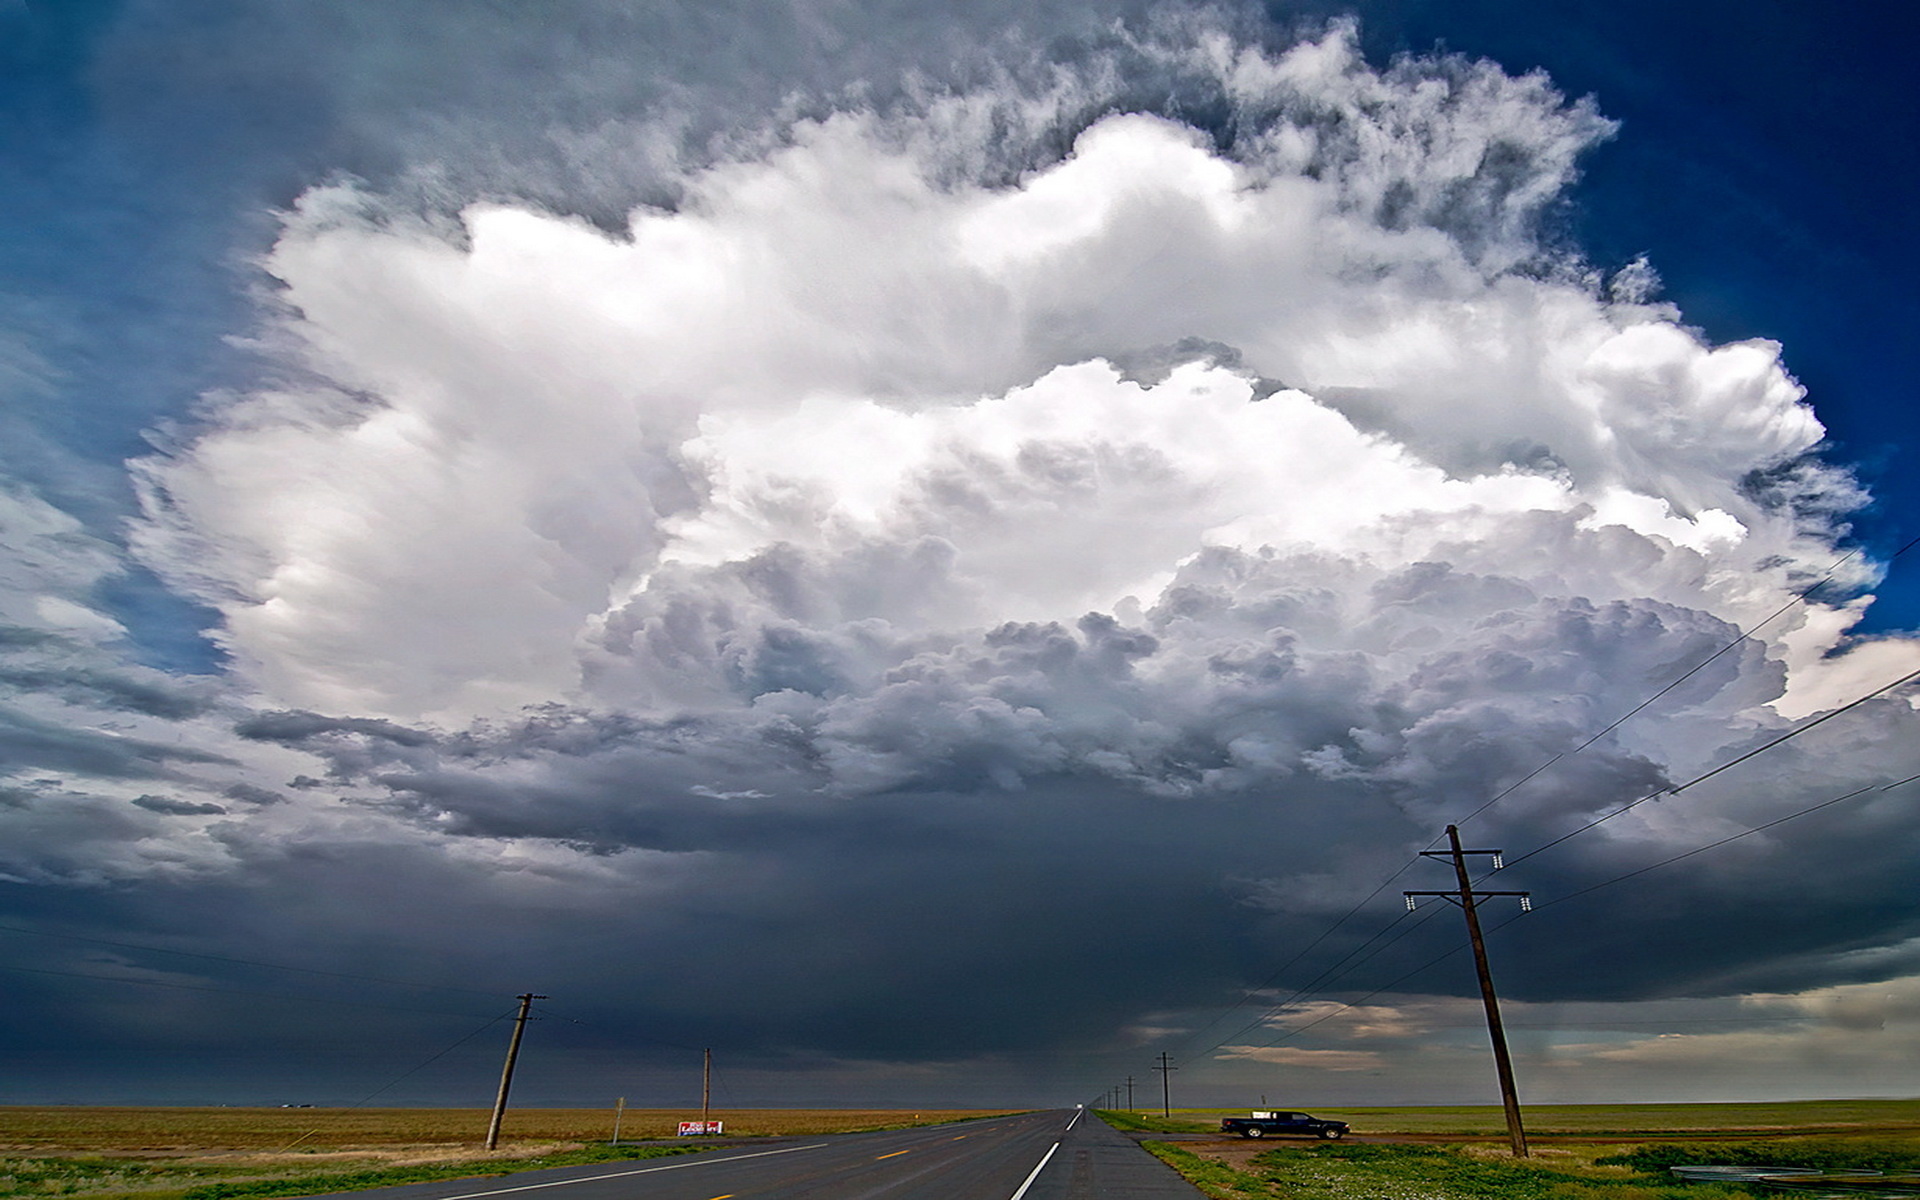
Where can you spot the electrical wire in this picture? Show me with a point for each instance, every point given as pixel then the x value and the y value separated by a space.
pixel 1247 996
pixel 1703 664
pixel 1745 833
pixel 1734 762
pixel 1738 640
pixel 1621 878
pixel 410 1071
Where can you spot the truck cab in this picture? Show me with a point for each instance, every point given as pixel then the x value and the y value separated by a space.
pixel 1281 1124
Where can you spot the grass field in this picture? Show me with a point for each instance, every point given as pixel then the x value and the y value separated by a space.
pixel 1580 1152
pixel 1637 1120
pixel 202 1130
pixel 259 1153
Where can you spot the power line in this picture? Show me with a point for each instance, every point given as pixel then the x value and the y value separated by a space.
pixel 1736 641
pixel 1250 993
pixel 413 1070
pixel 1745 833
pixel 1313 986
pixel 1345 1006
pixel 1698 667
pixel 1734 762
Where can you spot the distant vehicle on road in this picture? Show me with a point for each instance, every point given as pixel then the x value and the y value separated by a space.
pixel 1280 1124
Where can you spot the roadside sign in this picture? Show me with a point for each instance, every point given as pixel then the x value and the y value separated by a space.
pixel 700 1128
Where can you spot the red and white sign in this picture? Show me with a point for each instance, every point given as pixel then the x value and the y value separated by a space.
pixel 699 1128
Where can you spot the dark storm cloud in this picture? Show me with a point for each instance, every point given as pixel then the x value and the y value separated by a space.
pixel 295 728
pixel 111 690
pixel 247 793
pixel 176 808
pixel 30 743
pixel 765 845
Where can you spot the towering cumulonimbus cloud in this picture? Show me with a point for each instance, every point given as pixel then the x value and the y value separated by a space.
pixel 845 397
pixel 1018 484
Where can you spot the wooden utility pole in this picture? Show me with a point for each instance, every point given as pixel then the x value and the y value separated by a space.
pixel 706 1089
pixel 1129 1093
pixel 506 1072
pixel 1465 897
pixel 1166 1070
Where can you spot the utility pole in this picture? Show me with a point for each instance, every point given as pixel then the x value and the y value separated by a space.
pixel 1129 1093
pixel 1166 1070
pixel 706 1089
pixel 1465 897
pixel 506 1072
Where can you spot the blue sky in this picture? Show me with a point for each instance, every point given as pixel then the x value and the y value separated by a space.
pixel 766 485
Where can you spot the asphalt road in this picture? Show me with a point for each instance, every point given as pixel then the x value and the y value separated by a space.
pixel 1058 1155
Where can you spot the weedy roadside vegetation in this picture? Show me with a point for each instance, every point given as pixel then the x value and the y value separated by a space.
pixel 187 1179
pixel 1581 1152
pixel 1756 1119
pixel 1350 1171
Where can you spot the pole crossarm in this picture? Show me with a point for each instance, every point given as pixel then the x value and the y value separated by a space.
pixel 1526 898
pixel 1478 892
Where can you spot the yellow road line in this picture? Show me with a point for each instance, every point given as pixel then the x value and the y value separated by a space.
pixel 895 1154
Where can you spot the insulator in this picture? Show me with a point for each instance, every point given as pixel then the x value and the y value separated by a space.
pixel 1499 864
pixel 1410 904
pixel 1526 904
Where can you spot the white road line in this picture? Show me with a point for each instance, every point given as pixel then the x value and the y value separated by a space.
pixel 1024 1186
pixel 691 1162
pixel 1076 1119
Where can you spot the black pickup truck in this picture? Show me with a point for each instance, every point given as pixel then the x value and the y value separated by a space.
pixel 1277 1124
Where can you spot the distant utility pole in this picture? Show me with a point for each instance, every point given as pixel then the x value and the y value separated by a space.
pixel 1465 897
pixel 706 1088
pixel 506 1072
pixel 1166 1070
pixel 1129 1093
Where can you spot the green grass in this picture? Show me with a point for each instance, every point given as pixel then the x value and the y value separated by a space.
pixel 1588 1119
pixel 1128 1121
pixel 1825 1154
pixel 104 1178
pixel 1351 1171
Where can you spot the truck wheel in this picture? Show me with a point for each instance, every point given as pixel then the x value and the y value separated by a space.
pixel 1332 1134
pixel 1253 1131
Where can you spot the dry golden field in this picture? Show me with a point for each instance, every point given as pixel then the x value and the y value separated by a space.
pixel 260 1153
pixel 213 1130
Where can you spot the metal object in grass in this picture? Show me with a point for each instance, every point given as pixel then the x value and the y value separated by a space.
pixel 1823 1183
pixel 1740 1174
pixel 1850 1183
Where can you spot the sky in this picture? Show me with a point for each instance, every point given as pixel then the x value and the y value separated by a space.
pixel 943 556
